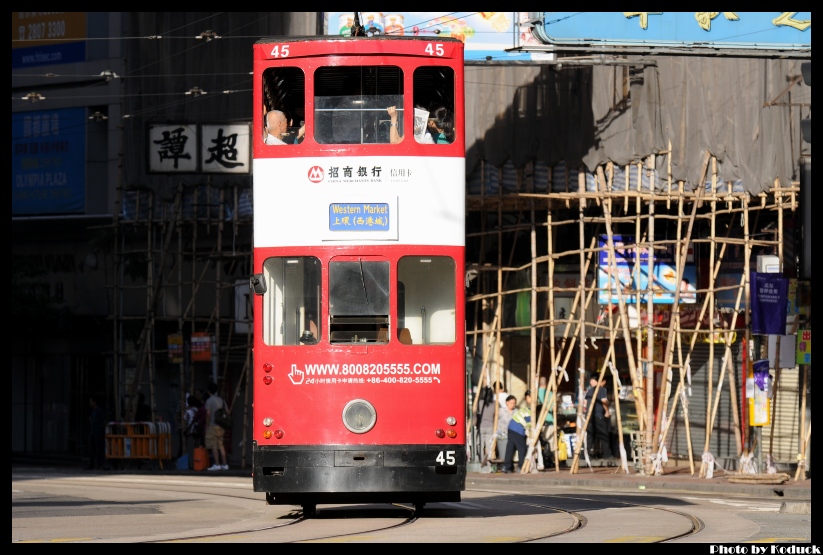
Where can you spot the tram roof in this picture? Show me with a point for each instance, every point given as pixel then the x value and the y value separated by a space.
pixel 342 38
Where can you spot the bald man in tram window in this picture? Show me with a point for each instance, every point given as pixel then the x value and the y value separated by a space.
pixel 276 126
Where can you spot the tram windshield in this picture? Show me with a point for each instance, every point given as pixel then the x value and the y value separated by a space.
pixel 358 301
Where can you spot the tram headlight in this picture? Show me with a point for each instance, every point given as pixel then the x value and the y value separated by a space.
pixel 359 416
pixel 268 422
pixel 451 420
pixel 267 380
pixel 440 433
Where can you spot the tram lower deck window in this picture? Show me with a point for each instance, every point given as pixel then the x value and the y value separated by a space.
pixel 291 304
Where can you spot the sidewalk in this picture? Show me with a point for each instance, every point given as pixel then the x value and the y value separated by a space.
pixel 673 479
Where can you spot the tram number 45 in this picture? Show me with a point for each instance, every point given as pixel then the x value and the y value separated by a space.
pixel 280 51
pixel 437 50
pixel 445 457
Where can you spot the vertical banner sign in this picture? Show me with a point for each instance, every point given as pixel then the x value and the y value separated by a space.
pixel 769 303
pixel 804 347
pixel 200 347
pixel 48 162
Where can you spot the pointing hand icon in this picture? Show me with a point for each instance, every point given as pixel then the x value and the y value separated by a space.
pixel 296 376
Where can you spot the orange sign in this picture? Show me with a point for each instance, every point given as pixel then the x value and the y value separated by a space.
pixel 200 347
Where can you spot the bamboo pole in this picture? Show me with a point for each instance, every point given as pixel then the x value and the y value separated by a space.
pixel 801 463
pixel 777 340
pixel 680 262
pixel 684 404
pixel 801 458
pixel 650 423
pixel 581 362
pixel 709 384
pixel 624 320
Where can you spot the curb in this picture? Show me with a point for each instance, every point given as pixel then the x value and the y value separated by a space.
pixel 796 507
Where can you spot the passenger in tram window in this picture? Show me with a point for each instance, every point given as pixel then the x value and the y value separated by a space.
pixel 277 129
pixel 439 129
pixel 441 125
pixel 293 134
pixel 394 135
pixel 394 132
pixel 276 126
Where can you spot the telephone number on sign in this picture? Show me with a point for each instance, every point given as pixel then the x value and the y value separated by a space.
pixel 404 379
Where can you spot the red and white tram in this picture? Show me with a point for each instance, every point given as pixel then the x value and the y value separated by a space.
pixel 358 280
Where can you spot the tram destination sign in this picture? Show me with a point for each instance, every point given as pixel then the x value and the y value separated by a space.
pixel 358 216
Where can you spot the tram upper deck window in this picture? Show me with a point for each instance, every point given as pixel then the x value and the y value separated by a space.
pixel 284 92
pixel 351 102
pixel 426 300
pixel 358 301
pixel 291 304
pixel 433 97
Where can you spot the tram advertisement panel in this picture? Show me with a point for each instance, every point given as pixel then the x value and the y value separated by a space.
pixel 408 200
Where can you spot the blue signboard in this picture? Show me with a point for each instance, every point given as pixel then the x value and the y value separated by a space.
pixel 664 282
pixel 48 162
pixel 47 38
pixel 725 30
pixel 358 216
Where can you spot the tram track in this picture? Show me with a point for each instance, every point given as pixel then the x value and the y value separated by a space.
pixel 696 524
pixel 368 523
pixel 579 521
pixel 413 516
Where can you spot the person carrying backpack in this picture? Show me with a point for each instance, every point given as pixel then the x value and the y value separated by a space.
pixel 215 433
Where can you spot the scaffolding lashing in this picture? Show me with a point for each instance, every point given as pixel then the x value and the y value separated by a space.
pixel 139 441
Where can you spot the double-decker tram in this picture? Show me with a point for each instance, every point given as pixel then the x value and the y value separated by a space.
pixel 359 237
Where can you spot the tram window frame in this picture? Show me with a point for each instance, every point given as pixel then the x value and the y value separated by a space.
pixel 284 89
pixel 351 102
pixel 433 87
pixel 359 301
pixel 291 303
pixel 427 283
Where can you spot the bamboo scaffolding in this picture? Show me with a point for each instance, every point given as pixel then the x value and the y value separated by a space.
pixel 644 208
pixel 150 234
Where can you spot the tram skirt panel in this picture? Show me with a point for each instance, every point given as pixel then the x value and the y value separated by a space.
pixel 329 474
